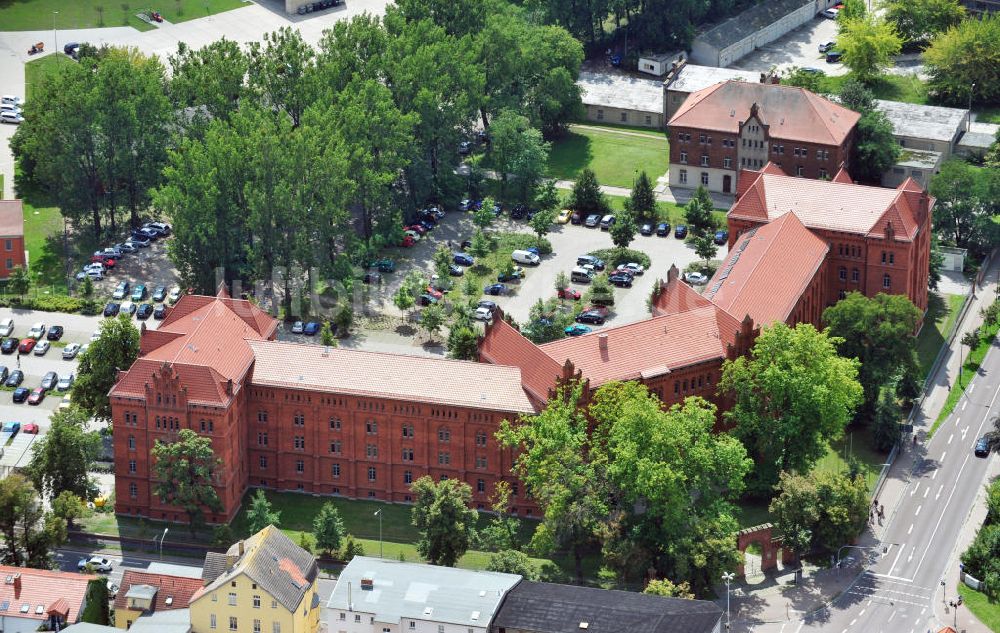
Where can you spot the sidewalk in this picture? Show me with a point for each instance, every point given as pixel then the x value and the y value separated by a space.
pixel 777 600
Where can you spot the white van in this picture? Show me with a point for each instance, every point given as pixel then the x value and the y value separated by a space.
pixel 525 257
pixel 581 275
pixel 6 327
pixel 11 100
pixel 7 116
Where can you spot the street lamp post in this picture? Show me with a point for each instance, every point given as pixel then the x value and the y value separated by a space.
pixel 728 577
pixel 968 122
pixel 944 592
pixel 163 536
pixel 55 34
pixel 378 513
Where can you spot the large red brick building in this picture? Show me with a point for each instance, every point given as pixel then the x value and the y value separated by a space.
pixel 11 237
pixel 300 417
pixel 737 125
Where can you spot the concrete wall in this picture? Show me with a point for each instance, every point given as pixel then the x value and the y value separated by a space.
pixel 604 114
pixel 705 53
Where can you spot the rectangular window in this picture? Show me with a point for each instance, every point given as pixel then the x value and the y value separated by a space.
pixel 371 427
pixel 262 416
pixel 334 424
pixel 704 178
pixel 886 282
pixel 299 420
pixel 371 473
pixel 262 439
pixel 624 117
pixel 481 461
pixel 704 160
pixel 371 450
pixel 335 447
pixel 649 120
pixel 211 621
pixel 131 465
pixel 407 477
pixel 444 458
pixel 300 442
pixel 256 626
pixel 9 245
pixel 799 170
pixel 684 158
pixel 335 471
pixel 855 275
pixel 233 624
pixel 408 430
pixel 600 115
pixel 407 454
pixel 232 599
pixel 300 466
pixel 727 163
pixel 683 176
pixel 481 485
pixel 701 138
pixel 263 462
pixel 822 173
pixel 133 490
pixel 276 627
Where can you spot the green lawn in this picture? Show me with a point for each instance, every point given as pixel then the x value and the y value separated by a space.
pixel 37 69
pixel 906 88
pixel 615 158
pixel 988 115
pixel 980 605
pixel 973 359
pixel 43 238
pixel 648 131
pixel 857 442
pixel 942 310
pixel 34 15
pixel 668 211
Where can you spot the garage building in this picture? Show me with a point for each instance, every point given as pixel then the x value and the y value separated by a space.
pixel 742 34
pixel 621 99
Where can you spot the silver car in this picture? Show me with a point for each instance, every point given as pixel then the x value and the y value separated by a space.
pixel 70 351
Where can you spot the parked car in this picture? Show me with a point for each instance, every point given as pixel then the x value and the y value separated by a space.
pixel 632 268
pixel 160 311
pixel 681 231
pixel 127 307
pixel 162 228
pixel 372 278
pixel 41 347
pixel 139 292
pixel 144 311
pixel 127 247
pixel 9 345
pixel 982 448
pixel 311 329
pixel 70 351
pixel 831 13
pixel 515 274
pixel 50 380
pixel 12 118
pixel 297 327
pixel 96 563
pixel 576 218
pixel 37 331
pixel 621 279
pixel 563 216
pixel 607 222
pixel 160 294
pixel 27 344
pixel 15 379
pixel 464 147
pixel 568 293
pixel 174 295
pixel 590 260
pixel 495 289
pixel 30 428
pixel 465 204
pixel 426 300
pixel 455 270
pixel 721 237
pixel 518 212
pixel 482 314
pixel 590 316
pixel 525 257
pixel 695 278
pixel 138 241
pixel 21 394
pixel 65 383
pixel 592 221
pixel 646 229
pixel 663 229
pixel 6 327
pixel 833 57
pixel 489 305
pixel 36 396
pixel 825 46
pixel 463 259
pixel 577 329
pixel 112 309
pixel 12 100
pixel 55 333
pixel 11 427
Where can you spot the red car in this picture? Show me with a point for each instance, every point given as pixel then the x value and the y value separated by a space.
pixel 434 292
pixel 416 227
pixel 602 310
pixel 31 428
pixel 26 345
pixel 37 395
pixel 107 261
pixel 406 242
pixel 568 293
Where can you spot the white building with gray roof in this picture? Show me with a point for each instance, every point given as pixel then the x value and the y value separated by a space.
pixel 622 99
pixel 375 595
pixel 924 127
pixel 759 25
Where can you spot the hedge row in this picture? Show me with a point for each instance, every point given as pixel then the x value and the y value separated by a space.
pixel 53 303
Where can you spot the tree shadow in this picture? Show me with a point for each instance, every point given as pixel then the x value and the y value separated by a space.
pixel 569 156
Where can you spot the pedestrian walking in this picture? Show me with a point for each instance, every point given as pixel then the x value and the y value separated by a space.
pixel 19 359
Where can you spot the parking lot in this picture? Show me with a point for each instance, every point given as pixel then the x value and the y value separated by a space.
pixel 799 47
pixel 150 266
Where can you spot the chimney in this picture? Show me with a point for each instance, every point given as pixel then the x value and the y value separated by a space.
pixel 241 548
pixel 17 585
pixel 602 341
pixel 763 78
pixel 229 391
pixel 672 274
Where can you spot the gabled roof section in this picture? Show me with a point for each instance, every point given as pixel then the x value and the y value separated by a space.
pixel 767 270
pixel 53 591
pixel 175 590
pixel 381 375
pixel 271 560
pixel 842 176
pixel 649 348
pixel 11 218
pixel 504 345
pixel 676 296
pixel 832 205
pixel 793 114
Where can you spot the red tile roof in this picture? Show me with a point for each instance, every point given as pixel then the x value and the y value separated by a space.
pixel 503 345
pixel 677 296
pixel 767 271
pixel 55 591
pixel 791 113
pixel 178 588
pixel 649 348
pixel 382 375
pixel 11 218
pixel 204 339
pixel 830 205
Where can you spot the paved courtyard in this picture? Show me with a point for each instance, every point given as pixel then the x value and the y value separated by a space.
pixel 799 47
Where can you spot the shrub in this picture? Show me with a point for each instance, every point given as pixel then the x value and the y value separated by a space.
pixel 615 256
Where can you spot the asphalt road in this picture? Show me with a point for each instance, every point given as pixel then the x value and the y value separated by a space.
pixel 901 591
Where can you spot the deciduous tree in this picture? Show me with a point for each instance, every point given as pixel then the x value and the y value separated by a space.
pixel 624 229
pixel 875 147
pixel 511 561
pixel 792 394
pixel 115 349
pixel 328 528
pixel 966 205
pixel 868 43
pixel 642 201
pixel 62 457
pixel 445 522
pixel 698 212
pixel 431 319
pixel 185 471
pixel 261 513
pixel 920 21
pixel 964 56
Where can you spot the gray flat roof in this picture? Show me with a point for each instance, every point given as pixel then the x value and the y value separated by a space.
pixel 742 26
pixel 621 91
pixel 692 77
pixel 923 121
pixel 421 592
pixel 978 140
pixel 172 621
pixel 663 57
pixel 919 158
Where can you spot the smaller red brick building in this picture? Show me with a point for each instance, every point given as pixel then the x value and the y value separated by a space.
pixel 736 125
pixel 12 253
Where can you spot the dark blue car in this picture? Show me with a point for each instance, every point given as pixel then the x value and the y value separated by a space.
pixel 311 328
pixel 721 237
pixel 495 289
pixel 464 259
pixel 681 231
pixel 21 394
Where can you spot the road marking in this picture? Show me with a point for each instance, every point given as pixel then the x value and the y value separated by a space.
pixel 965 404
pixel 889 575
pixel 917 621
pixel 941 515
pixel 917 513
pixel 971 387
pixel 934 475
pixel 950 438
pixel 853 622
pixel 943 456
pixel 938 495
pixel 862 612
pixel 926 490
pixel 964 431
pixel 914 489
pixel 910 530
pixel 891 616
pixel 801 624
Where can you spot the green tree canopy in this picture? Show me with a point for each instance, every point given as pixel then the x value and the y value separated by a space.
pixel 624 229
pixel 511 561
pixel 868 43
pixel 964 56
pixel 831 508
pixel 587 197
pixel 261 513
pixel 698 212
pixel 875 147
pixel 967 201
pixel 919 21
pixel 445 522
pixel 115 349
pixel 792 394
pixel 642 201
pixel 62 457
pixel 185 470
pixel 328 528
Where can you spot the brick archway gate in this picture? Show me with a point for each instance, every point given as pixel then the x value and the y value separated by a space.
pixel 769 547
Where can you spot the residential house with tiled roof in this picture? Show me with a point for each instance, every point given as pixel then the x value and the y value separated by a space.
pixel 735 125
pixel 34 599
pixel 12 253
pixel 878 239
pixel 301 417
pixel 142 594
pixel 267 586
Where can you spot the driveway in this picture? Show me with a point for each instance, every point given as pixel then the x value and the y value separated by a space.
pixel 796 48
